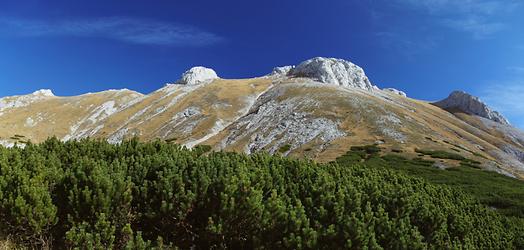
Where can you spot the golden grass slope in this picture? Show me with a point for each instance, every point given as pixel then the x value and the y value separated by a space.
pixel 56 116
pixel 297 116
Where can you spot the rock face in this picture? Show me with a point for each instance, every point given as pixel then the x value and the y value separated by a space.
pixel 281 71
pixel 271 124
pixel 333 71
pixel 24 100
pixel 197 75
pixel 471 105
pixel 514 135
pixel 395 91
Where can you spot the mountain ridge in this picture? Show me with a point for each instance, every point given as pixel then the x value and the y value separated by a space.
pixel 472 105
pixel 314 110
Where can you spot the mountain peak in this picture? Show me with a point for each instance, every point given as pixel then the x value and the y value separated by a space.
pixel 43 92
pixel 472 105
pixel 18 101
pixel 281 71
pixel 333 71
pixel 198 75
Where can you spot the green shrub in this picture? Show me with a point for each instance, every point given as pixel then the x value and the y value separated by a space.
pixel 440 154
pixel 488 187
pixel 171 140
pixel 284 148
pixel 369 149
pixel 397 150
pixel 93 195
pixel 202 149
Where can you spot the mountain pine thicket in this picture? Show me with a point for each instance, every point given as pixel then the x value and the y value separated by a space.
pixel 90 194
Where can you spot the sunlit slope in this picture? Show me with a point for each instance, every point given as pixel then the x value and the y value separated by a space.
pixel 186 114
pixel 64 117
pixel 290 112
pixel 307 119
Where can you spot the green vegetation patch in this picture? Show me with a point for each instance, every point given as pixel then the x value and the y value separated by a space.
pixel 440 154
pixel 93 195
pixel 397 150
pixel 368 149
pixel 502 193
pixel 171 140
pixel 202 149
pixel 284 148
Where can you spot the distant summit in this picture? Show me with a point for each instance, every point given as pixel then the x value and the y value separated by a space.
pixel 43 92
pixel 330 71
pixel 472 105
pixel 198 75
pixel 24 100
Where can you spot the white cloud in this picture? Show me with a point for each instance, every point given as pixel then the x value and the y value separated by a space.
pixel 123 29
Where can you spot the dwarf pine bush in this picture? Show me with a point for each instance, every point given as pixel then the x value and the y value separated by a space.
pixel 94 195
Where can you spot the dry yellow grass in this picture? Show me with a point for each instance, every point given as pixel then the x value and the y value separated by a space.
pixel 426 126
pixel 54 116
pixel 223 101
pixel 7 245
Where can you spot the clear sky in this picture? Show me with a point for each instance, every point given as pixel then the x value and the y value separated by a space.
pixel 425 47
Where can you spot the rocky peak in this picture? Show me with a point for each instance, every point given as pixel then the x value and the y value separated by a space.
pixel 197 75
pixel 395 91
pixel 472 105
pixel 43 92
pixel 24 100
pixel 333 71
pixel 281 71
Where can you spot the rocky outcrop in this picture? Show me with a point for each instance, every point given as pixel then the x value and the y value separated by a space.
pixel 270 124
pixel 43 92
pixel 514 151
pixel 395 91
pixel 24 100
pixel 333 71
pixel 281 71
pixel 512 134
pixel 197 75
pixel 472 105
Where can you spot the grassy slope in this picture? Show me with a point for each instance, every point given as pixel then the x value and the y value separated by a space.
pixel 222 101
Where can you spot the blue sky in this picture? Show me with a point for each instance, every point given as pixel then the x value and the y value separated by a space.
pixel 427 48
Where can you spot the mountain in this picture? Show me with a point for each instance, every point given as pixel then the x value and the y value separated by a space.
pixel 462 101
pixel 317 109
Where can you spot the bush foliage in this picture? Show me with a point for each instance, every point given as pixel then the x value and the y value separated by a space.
pixel 501 193
pixel 440 154
pixel 94 195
